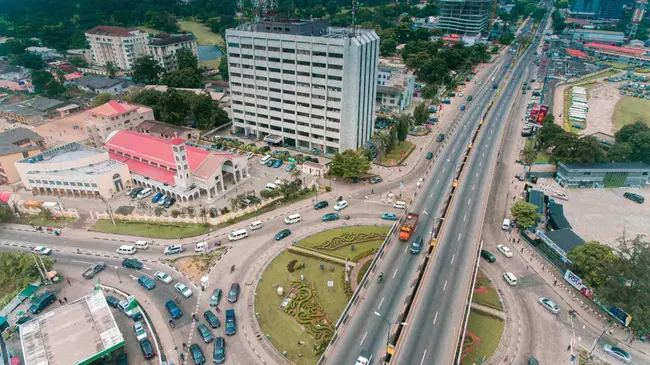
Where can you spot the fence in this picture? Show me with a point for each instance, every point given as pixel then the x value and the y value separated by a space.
pixel 548 253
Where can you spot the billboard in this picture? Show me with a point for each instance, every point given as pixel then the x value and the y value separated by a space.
pixel 575 281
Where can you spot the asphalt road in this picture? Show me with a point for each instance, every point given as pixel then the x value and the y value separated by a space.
pixel 366 330
pixel 436 317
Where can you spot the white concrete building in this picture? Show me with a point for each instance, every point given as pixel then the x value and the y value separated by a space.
pixel 287 83
pixel 120 46
pixel 113 116
pixel 395 89
pixel 163 48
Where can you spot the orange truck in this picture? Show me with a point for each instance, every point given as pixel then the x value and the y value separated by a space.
pixel 409 226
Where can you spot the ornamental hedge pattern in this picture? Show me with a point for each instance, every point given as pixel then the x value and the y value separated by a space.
pixel 308 311
pixel 349 238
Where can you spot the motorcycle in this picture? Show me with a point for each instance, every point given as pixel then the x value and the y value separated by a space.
pixel 232 268
pixel 339 198
pixel 347 217
pixel 380 277
pixel 218 243
pixel 39 228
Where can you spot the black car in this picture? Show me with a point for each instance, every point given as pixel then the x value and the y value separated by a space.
pixel 169 202
pixel 112 301
pixel 197 354
pixel 233 294
pixel 147 348
pixel 488 256
pixel 212 319
pixel 282 234
pixel 321 205
pixel 219 353
pixel 132 264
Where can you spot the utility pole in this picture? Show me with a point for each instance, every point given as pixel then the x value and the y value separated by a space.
pixel 40 271
pixel 108 209
pixel 47 278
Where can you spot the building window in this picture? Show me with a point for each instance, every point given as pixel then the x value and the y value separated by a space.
pixel 274 59
pixel 321 54
pixel 260 48
pixel 300 73
pixel 303 63
pixel 318 64
pixel 288 50
pixel 247 46
pixel 260 68
pixel 273 49
pixel 291 62
pixel 335 78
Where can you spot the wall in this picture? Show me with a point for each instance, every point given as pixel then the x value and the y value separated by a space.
pixel 7 163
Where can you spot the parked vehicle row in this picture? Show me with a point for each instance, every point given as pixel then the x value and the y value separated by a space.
pixel 159 198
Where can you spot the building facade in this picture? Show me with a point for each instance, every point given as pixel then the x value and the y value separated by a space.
pixel 603 175
pixel 111 117
pixel 395 89
pixel 593 35
pixel 117 45
pixel 16 144
pixel 464 16
pixel 73 170
pixel 163 48
pixel 166 130
pixel 287 83
pixel 597 9
pixel 32 111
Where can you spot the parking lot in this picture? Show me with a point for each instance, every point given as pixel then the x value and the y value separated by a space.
pixel 603 215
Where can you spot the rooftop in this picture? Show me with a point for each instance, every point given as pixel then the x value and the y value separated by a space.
pixel 575 53
pixel 536 198
pixel 112 108
pixel 565 239
pixel 299 27
pixel 154 126
pixel 611 166
pixel 113 31
pixel 556 215
pixel 596 31
pixel 9 138
pixel 97 82
pixel 166 39
pixel 607 47
pixel 71 334
pixel 43 104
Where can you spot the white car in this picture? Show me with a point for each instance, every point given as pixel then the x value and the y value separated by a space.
pixel 461 94
pixel 39 250
pixel 163 277
pixel 504 250
pixel 183 289
pixel 341 205
pixel 249 155
pixel 140 331
pixel 550 305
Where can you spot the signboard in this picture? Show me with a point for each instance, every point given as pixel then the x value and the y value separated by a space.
pixel 575 281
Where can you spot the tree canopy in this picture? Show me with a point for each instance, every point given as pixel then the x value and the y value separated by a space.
pixel 18 271
pixel 100 99
pixel 349 164
pixel 146 70
pixel 592 261
pixel 525 213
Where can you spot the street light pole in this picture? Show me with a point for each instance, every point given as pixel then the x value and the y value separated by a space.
pixel 390 324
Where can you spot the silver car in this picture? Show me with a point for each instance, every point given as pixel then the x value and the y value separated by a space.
pixel 550 305
pixel 617 353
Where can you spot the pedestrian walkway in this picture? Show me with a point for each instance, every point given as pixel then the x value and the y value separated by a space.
pixel 486 309
pixel 356 269
pixel 318 254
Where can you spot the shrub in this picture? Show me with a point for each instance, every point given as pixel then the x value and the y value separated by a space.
pixel 328 188
pixel 291 265
pixel 175 213
pixel 363 254
pixel 224 210
pixel 214 212
pixel 347 287
pixel 45 214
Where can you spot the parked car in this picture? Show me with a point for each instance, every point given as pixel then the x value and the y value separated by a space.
pixel 330 217
pixel 341 205
pixel 146 282
pixel 231 325
pixel 488 256
pixel 617 353
pixel 162 200
pixel 282 234
pixel 290 167
pixel 271 162
pixel 40 250
pixel 321 205
pixel 132 264
pixel 389 216
pixel 216 297
pixel 504 250
pixel 548 304
pixel 183 289
pixel 233 294
pixel 205 333
pixel 147 348
pixel 212 319
pixel 169 202
pixel 41 302
pixel 277 164
pixel 376 180
pixel 173 309
pixel 134 193
pixel 429 155
pixel 249 155
pixel 157 197
pixel 112 301
pixel 163 277
pixel 440 138
pixel 140 331
pixel 197 354
pixel 219 353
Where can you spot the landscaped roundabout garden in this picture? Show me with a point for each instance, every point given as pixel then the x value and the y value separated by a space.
pixel 303 291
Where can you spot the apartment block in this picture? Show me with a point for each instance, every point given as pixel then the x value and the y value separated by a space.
pixel 113 116
pixel 287 84
pixel 464 16
pixel 117 45
pixel 395 89
pixel 163 48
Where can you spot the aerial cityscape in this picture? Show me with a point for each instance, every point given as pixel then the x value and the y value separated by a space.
pixel 318 182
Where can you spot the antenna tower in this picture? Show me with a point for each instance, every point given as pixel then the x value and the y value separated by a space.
pixel 354 18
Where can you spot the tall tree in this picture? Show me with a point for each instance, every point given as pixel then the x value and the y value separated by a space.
pixel 592 261
pixel 620 152
pixel 29 60
pixel 183 78
pixel 525 214
pixel 349 164
pixel 627 131
pixel 548 132
pixel 185 58
pixel 101 99
pixel 146 70
pixel 641 147
pixel 402 127
pixel 111 69
pixel 223 67
pixel 420 114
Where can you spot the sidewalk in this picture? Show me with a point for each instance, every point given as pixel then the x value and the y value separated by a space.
pixel 491 311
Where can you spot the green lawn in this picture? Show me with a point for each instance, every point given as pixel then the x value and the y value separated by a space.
pixel 153 230
pixel 628 110
pixel 149 30
pixel 204 36
pixel 38 221
pixel 312 242
pixel 542 156
pixel 363 271
pixel 283 329
pixel 395 156
pixel 596 76
pixel 489 330
pixel 489 299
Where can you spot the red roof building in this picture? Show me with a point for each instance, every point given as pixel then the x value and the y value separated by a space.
pixel 155 163
pixel 576 53
pixel 615 49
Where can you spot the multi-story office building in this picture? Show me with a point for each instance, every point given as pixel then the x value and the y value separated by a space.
pixel 163 48
pixel 597 9
pixel 117 45
pixel 464 16
pixel 395 89
pixel 287 83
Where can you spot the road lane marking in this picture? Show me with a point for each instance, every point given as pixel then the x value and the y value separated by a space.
pixel 452 258
pixel 364 337
pixel 454 150
pixel 395 273
pixel 477 174
pixel 380 303
pixel 469 201
pixel 423 356
pixel 473 186
pixel 443 169
pixel 464 217
pixel 81 262
pixel 431 196
pixel 460 234
pixel 435 318
pixel 444 287
pixel 437 181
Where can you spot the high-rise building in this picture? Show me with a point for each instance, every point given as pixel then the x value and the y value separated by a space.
pixel 163 48
pixel 597 9
pixel 117 45
pixel 464 16
pixel 287 83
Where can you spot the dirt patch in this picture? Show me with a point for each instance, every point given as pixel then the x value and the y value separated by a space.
pixel 602 101
pixel 481 290
pixel 196 267
pixel 63 130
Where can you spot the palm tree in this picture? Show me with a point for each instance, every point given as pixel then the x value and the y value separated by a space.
pixel 528 156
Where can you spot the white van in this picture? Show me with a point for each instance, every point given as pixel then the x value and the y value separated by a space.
pixel 126 250
pixel 294 218
pixel 255 225
pixel 265 159
pixel 270 186
pixel 506 224
pixel 141 245
pixel 510 278
pixel 145 193
pixel 399 204
pixel 201 247
pixel 237 235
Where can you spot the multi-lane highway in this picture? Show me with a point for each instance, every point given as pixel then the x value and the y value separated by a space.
pixel 384 302
pixel 434 324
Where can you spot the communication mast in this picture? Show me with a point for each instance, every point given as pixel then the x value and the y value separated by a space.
pixel 354 19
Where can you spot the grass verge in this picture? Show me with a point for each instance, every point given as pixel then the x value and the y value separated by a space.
pixel 395 158
pixel 345 250
pixel 363 270
pixel 38 221
pixel 487 295
pixel 283 330
pixel 628 110
pixel 595 77
pixel 542 156
pixel 153 230
pixel 204 36
pixel 488 329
